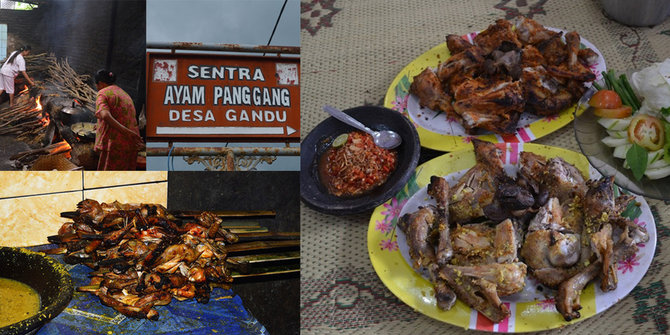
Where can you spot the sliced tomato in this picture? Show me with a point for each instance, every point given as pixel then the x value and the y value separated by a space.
pixel 605 99
pixel 614 113
pixel 647 131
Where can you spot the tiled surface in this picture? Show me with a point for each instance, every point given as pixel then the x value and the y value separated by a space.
pixel 114 178
pixel 147 193
pixel 21 183
pixel 28 221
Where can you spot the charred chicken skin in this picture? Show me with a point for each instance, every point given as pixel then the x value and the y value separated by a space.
pixel 510 68
pixel 143 256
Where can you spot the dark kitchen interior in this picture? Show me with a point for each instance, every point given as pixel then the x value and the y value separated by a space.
pixel 83 37
pixel 273 300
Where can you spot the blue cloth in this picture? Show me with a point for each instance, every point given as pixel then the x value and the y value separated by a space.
pixel 223 314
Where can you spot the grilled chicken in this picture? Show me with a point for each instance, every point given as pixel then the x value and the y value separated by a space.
pixel 439 190
pixel 489 104
pixel 427 87
pixel 508 278
pixel 567 298
pixel 418 227
pixel 530 31
pixel 476 189
pixel 478 293
pixel 500 34
pixel 427 230
pixel 456 44
pixel 460 67
pixel 511 68
pixel 570 231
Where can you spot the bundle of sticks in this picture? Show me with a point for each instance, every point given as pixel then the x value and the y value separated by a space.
pixel 25 119
pixel 38 64
pixel 143 256
pixel 68 81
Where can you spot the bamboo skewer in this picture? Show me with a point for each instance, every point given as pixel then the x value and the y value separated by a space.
pixel 260 245
pixel 225 213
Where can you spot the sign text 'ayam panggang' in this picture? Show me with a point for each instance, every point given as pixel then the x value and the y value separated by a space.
pixel 236 98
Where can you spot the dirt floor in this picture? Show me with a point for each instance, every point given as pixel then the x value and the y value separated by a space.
pixel 10 146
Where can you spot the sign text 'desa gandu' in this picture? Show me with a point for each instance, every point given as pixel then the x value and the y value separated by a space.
pixel 221 96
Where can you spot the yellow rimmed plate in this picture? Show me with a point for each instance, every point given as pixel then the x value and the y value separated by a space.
pixel 533 309
pixel 439 133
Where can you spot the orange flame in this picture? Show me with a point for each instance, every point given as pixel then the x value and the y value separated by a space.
pixel 24 90
pixel 61 147
pixel 45 116
pixel 39 105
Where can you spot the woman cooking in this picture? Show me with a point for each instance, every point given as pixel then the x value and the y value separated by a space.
pixel 117 136
pixel 10 70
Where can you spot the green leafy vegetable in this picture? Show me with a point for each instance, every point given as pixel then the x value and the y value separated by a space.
pixel 666 146
pixel 665 111
pixel 622 87
pixel 637 160
pixel 633 210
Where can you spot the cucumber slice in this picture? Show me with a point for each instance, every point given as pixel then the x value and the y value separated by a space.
pixel 618 133
pixel 661 163
pixel 654 156
pixel 657 173
pixel 620 151
pixel 615 142
pixel 615 124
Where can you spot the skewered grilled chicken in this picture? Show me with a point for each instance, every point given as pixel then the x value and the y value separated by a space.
pixel 144 256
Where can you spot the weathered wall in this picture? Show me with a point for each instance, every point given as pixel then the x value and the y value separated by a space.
pixel 99 34
pixel 20 28
pixel 90 34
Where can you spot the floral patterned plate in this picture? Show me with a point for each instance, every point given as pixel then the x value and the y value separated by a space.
pixel 439 133
pixel 532 309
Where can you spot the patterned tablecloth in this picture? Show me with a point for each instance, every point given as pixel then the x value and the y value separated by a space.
pixel 351 51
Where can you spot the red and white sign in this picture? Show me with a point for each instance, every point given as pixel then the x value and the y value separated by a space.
pixel 205 96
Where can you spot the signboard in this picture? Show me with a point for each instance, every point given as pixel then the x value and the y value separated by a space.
pixel 228 97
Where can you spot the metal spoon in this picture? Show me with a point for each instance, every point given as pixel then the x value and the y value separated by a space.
pixel 385 139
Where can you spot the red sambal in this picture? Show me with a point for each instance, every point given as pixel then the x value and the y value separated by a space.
pixel 357 166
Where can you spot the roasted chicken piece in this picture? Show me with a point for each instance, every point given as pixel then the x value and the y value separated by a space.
pixel 427 87
pixel 488 104
pixel 439 190
pixel 553 50
pixel 567 297
pixel 550 248
pixel 476 189
pixel 543 93
pixel 477 293
pixel 427 230
pixel 509 278
pixel 456 44
pixel 572 69
pixel 500 34
pixel 473 244
pixel 505 242
pixel 530 31
pixel 418 227
pixel 460 67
